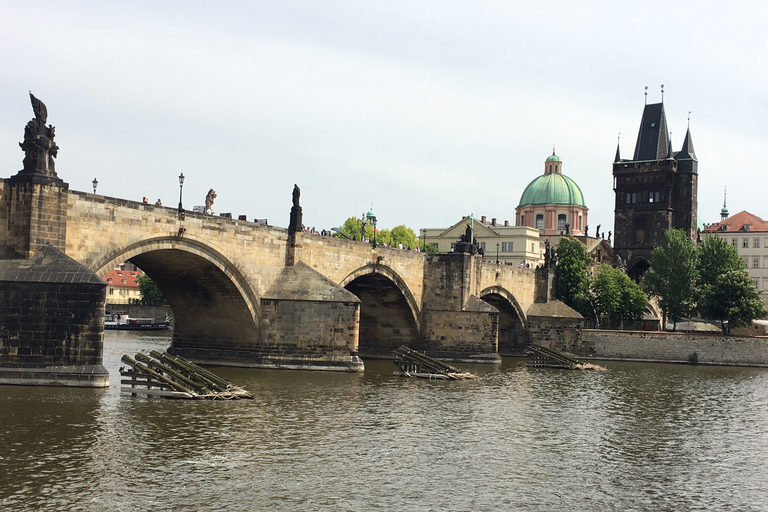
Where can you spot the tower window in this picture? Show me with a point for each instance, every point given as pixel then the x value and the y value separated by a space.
pixel 640 229
pixel 561 221
pixel 539 221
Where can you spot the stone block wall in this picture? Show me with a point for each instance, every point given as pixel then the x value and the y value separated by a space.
pixel 51 324
pixel 37 214
pixel 672 347
pixel 461 335
pixel 561 334
pixel 304 328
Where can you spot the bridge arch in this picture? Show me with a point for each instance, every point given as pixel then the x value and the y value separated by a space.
pixel 389 313
pixel 512 319
pixel 213 303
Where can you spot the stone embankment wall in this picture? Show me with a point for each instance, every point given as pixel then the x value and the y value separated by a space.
pixel 670 347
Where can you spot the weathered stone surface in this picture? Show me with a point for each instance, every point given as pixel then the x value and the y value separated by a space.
pixel 671 347
pixel 51 322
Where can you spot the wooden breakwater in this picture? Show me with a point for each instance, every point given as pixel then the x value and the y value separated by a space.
pixel 165 375
pixel 411 363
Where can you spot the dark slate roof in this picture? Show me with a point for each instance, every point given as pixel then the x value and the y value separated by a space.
pixel 48 265
pixel 553 308
pixel 301 282
pixel 653 138
pixel 687 153
pixel 478 305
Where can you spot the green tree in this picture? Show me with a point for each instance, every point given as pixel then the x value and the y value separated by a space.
pixel 352 228
pixel 150 293
pixel 404 235
pixel 673 276
pixel 726 293
pixel 616 298
pixel 572 285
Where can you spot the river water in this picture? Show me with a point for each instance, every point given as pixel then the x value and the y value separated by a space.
pixel 635 437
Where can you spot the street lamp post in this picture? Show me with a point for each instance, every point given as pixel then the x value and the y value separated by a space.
pixel 95 184
pixel 181 188
pixel 497 253
pixel 363 221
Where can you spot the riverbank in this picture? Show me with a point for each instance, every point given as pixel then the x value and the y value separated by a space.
pixel 674 347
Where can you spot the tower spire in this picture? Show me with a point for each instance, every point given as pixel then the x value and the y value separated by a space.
pixel 662 93
pixel 618 147
pixel 724 211
pixel 646 94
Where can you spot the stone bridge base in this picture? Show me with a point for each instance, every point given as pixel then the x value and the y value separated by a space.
pixel 82 376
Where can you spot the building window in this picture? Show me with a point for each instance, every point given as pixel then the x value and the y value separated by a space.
pixel 561 221
pixel 111 291
pixel 746 262
pixel 653 197
pixel 539 221
pixel 745 242
pixel 629 198
pixel 757 285
pixel 522 220
pixel 482 246
pixel 639 229
pixel 634 197
pixel 733 242
pixel 506 246
pixel 755 262
pixel 757 242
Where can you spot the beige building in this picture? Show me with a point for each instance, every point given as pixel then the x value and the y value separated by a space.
pixel 512 244
pixel 122 287
pixel 748 233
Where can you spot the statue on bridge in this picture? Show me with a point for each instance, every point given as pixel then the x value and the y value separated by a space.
pixel 38 146
pixel 296 217
pixel 296 195
pixel 209 201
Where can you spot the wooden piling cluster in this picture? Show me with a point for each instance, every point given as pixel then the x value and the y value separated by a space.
pixel 162 374
pixel 543 357
pixel 415 364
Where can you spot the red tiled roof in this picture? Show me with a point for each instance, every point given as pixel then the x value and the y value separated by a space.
pixel 736 224
pixel 125 278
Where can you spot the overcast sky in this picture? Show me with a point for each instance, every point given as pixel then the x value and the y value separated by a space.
pixel 427 111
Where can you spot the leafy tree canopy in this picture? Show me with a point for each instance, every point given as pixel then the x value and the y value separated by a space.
pixel 150 293
pixel 726 293
pixel 673 276
pixel 572 286
pixel 616 298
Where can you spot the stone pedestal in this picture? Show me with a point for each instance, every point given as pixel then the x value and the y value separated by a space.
pixel 51 322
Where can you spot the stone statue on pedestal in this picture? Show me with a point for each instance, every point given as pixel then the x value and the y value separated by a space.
pixel 38 146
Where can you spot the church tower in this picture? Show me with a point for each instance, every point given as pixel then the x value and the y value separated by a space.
pixel 655 191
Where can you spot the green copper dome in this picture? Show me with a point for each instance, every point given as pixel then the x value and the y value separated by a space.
pixel 553 158
pixel 554 188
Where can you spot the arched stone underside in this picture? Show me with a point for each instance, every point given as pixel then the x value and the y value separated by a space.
pixel 511 320
pixel 213 305
pixel 387 318
pixel 636 267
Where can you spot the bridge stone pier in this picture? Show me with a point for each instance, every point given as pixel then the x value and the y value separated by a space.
pixel 242 293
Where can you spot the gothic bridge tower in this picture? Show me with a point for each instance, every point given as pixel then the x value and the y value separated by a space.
pixel 655 191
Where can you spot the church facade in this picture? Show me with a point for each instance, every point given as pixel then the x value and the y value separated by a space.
pixel 656 190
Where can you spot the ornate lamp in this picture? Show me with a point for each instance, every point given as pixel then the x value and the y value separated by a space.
pixel 95 184
pixel 181 188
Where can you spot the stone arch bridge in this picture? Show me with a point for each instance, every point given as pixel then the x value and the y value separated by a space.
pixel 248 294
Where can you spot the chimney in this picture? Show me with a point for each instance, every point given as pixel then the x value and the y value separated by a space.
pixel 493 222
pixel 482 219
pixel 506 223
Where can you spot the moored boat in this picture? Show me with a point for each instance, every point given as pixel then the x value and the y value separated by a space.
pixel 123 322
